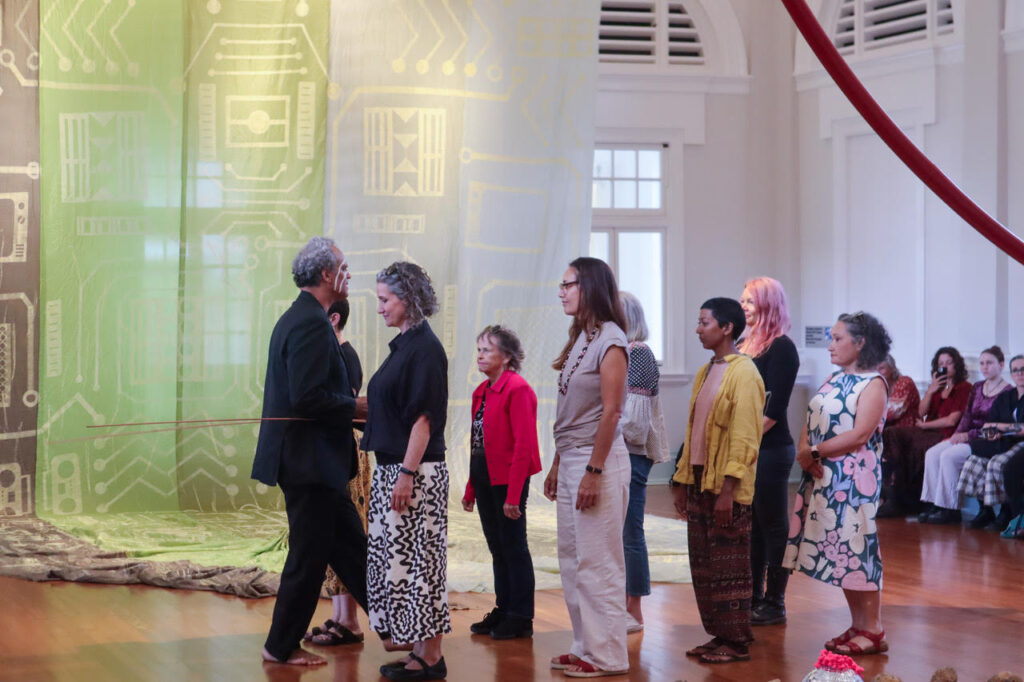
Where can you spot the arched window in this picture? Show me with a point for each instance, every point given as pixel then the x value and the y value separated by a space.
pixel 648 32
pixel 861 26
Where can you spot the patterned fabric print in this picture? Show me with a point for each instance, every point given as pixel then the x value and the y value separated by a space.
pixel 832 534
pixel 406 573
pixel 643 374
pixel 983 477
pixel 720 566
pixel 477 430
pixel 359 491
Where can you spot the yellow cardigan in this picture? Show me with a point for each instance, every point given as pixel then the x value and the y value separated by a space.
pixel 733 431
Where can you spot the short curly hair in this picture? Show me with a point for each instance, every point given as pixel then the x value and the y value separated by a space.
pixel 412 285
pixel 313 258
pixel 877 342
pixel 507 342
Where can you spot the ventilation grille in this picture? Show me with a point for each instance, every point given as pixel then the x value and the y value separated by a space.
pixel 648 32
pixel 873 24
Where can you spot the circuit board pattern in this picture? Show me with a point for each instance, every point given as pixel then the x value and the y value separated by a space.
pixel 19 253
pixel 459 136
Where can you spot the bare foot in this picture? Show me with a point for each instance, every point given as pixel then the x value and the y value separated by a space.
pixel 389 645
pixel 298 657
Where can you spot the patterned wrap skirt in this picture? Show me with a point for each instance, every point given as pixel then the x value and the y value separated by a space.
pixel 407 558
pixel 359 491
pixel 982 477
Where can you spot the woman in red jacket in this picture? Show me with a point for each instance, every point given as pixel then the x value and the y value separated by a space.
pixel 504 454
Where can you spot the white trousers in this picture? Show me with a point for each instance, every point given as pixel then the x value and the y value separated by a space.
pixel 591 559
pixel 942 465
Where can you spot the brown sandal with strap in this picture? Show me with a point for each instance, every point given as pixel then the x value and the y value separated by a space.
pixel 850 633
pixel 851 648
pixel 727 653
pixel 698 651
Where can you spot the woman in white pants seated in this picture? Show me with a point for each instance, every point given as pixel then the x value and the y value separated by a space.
pixel 944 461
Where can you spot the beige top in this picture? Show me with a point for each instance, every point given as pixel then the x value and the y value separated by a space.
pixel 579 410
pixel 701 412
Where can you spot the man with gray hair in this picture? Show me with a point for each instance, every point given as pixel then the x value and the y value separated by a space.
pixel 306 446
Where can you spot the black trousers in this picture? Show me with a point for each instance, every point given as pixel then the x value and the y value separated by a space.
pixel 506 538
pixel 323 528
pixel 1013 482
pixel 770 524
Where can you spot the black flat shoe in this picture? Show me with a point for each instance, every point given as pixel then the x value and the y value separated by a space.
pixel 984 517
pixel 1001 521
pixel 930 509
pixel 889 510
pixel 768 613
pixel 438 671
pixel 944 516
pixel 513 628
pixel 489 622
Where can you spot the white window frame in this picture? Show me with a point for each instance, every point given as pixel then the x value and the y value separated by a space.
pixel 645 212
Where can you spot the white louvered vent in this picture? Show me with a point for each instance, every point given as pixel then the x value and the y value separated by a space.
pixel 648 32
pixel 871 24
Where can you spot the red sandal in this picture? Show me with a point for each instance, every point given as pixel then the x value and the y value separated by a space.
pixel 590 670
pixel 851 648
pixel 564 661
pixel 850 633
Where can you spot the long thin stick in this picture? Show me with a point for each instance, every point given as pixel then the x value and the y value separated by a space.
pixel 149 431
pixel 202 421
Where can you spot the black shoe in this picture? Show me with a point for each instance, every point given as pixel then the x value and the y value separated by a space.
pixel 986 516
pixel 929 509
pixel 944 516
pixel 438 671
pixel 890 509
pixel 768 613
pixel 489 622
pixel 512 627
pixel 1002 521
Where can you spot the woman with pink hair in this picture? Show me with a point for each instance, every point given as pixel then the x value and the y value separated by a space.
pixel 774 354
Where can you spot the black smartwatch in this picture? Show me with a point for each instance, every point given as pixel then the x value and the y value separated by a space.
pixel 407 472
pixel 594 470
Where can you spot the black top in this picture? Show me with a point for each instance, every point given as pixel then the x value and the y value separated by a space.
pixel 1007 408
pixel 476 437
pixel 778 367
pixel 306 381
pixel 354 367
pixel 412 381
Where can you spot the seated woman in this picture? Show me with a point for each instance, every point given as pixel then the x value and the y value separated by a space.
pixel 1013 484
pixel 943 462
pixel 904 397
pixel 903 452
pixel 982 475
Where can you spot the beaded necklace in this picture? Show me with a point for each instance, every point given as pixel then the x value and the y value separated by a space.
pixel 563 386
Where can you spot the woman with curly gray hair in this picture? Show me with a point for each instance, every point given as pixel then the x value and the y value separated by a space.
pixel 407 401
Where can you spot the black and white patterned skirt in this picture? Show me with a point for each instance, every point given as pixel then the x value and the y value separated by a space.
pixel 407 562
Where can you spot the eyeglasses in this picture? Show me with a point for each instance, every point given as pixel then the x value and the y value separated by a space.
pixel 1017 370
pixel 565 286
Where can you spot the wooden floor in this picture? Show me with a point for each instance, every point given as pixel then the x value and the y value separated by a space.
pixel 952 597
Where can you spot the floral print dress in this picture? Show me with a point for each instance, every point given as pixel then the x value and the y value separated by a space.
pixel 832 534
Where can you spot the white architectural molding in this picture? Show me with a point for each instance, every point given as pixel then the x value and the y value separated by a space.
pixel 1013 26
pixel 629 78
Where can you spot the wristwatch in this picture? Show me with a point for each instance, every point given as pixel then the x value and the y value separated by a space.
pixel 407 472
pixel 594 470
pixel 815 455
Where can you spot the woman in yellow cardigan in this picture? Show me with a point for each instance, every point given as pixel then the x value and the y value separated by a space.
pixel 714 483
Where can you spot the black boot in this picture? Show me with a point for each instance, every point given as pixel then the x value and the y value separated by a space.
pixel 758 584
pixel 1002 521
pixel 986 516
pixel 772 610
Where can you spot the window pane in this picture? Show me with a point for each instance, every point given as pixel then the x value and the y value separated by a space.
pixel 649 194
pixel 640 273
pixel 602 163
pixel 650 163
pixel 625 193
pixel 625 163
pixel 600 245
pixel 602 194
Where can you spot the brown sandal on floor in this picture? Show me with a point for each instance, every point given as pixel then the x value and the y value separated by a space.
pixel 850 633
pixel 851 648
pixel 705 648
pixel 725 654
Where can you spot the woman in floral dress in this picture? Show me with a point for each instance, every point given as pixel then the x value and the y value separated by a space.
pixel 832 531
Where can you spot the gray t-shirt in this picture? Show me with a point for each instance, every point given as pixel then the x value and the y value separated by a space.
pixel 580 409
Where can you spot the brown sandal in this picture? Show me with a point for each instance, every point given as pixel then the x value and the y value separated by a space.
pixel 705 648
pixel 851 648
pixel 850 633
pixel 725 654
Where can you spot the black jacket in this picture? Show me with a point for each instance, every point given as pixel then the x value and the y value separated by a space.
pixel 306 378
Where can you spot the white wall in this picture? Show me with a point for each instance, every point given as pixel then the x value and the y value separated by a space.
pixel 779 176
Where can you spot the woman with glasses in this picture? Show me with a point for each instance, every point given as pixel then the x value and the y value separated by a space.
pixel 407 401
pixel 589 477
pixel 982 475
pixel 834 539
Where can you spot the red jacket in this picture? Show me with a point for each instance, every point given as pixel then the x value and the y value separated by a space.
pixel 510 434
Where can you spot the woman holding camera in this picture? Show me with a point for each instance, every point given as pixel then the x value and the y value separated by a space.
pixel 939 413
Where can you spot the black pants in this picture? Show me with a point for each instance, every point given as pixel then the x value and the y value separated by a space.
pixel 323 528
pixel 506 538
pixel 1013 482
pixel 770 526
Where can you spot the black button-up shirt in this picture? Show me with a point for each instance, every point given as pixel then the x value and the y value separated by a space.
pixel 411 382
